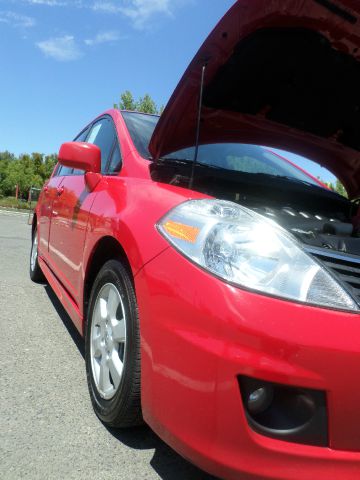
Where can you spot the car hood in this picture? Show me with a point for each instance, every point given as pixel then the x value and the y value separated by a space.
pixel 280 73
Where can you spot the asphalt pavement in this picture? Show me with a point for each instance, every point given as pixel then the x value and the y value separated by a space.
pixel 47 426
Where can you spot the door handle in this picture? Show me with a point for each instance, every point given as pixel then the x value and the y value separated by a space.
pixel 60 191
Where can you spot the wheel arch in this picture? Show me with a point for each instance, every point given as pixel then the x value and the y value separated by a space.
pixel 107 248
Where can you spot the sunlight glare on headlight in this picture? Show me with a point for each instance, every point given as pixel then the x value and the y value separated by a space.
pixel 248 250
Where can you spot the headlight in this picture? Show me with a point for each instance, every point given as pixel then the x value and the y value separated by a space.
pixel 242 247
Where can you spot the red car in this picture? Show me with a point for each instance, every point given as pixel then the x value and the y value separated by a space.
pixel 217 285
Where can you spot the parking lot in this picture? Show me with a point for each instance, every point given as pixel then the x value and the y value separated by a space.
pixel 47 426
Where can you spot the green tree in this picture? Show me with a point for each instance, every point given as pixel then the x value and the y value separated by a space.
pixel 337 187
pixel 144 104
pixel 127 101
pixel 48 166
pixel 37 159
pixel 26 171
pixel 5 158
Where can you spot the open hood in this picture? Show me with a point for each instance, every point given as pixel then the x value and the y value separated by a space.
pixel 280 73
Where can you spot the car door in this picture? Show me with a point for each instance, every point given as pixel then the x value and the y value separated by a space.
pixel 71 211
pixel 44 212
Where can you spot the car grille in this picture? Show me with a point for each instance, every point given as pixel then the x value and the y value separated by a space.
pixel 344 266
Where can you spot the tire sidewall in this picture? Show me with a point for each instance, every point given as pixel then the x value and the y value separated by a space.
pixel 32 270
pixel 113 272
pixel 36 273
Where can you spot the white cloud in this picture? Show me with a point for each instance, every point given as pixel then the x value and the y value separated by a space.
pixel 16 20
pixel 56 3
pixel 63 49
pixel 107 7
pixel 50 3
pixel 139 11
pixel 103 37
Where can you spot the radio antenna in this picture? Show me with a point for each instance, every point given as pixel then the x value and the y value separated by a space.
pixel 191 180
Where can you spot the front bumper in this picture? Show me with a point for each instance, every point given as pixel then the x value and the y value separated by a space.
pixel 199 334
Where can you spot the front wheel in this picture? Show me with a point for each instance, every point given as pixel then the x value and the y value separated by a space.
pixel 36 273
pixel 112 348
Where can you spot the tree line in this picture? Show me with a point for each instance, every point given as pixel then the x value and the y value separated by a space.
pixel 338 187
pixel 144 104
pixel 20 173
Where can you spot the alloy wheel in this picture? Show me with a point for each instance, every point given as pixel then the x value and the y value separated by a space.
pixel 108 341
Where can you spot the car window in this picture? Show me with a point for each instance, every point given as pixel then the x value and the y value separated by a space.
pixel 238 157
pixel 141 128
pixel 103 135
pixel 64 171
pixel 241 157
pixel 115 162
pixel 81 138
pixel 57 170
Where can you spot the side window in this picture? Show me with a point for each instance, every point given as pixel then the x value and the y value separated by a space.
pixel 57 170
pixel 115 162
pixel 63 171
pixel 66 171
pixel 103 135
pixel 81 138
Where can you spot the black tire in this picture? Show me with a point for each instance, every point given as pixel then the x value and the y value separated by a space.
pixel 124 408
pixel 36 273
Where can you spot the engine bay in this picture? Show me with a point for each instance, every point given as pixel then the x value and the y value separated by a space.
pixel 316 229
pixel 316 216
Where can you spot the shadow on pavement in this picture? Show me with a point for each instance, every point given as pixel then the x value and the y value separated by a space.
pixel 70 327
pixel 166 462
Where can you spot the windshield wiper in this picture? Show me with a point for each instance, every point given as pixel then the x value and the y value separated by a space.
pixel 299 180
pixel 184 161
pixel 173 159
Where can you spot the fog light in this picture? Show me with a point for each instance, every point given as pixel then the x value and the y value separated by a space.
pixel 260 399
pixel 294 414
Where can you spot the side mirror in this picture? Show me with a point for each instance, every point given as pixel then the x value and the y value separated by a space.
pixel 80 155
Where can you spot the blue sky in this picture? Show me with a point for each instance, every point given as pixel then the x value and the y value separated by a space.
pixel 65 61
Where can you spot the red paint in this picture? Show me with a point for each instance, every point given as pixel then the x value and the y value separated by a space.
pixel 81 155
pixel 91 180
pixel 198 334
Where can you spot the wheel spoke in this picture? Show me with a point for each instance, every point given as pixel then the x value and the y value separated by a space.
pixel 97 347
pixel 115 367
pixel 103 309
pixel 104 376
pixel 118 330
pixel 100 313
pixel 112 303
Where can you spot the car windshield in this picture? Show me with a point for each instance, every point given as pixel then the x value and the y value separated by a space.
pixel 237 157
pixel 141 128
